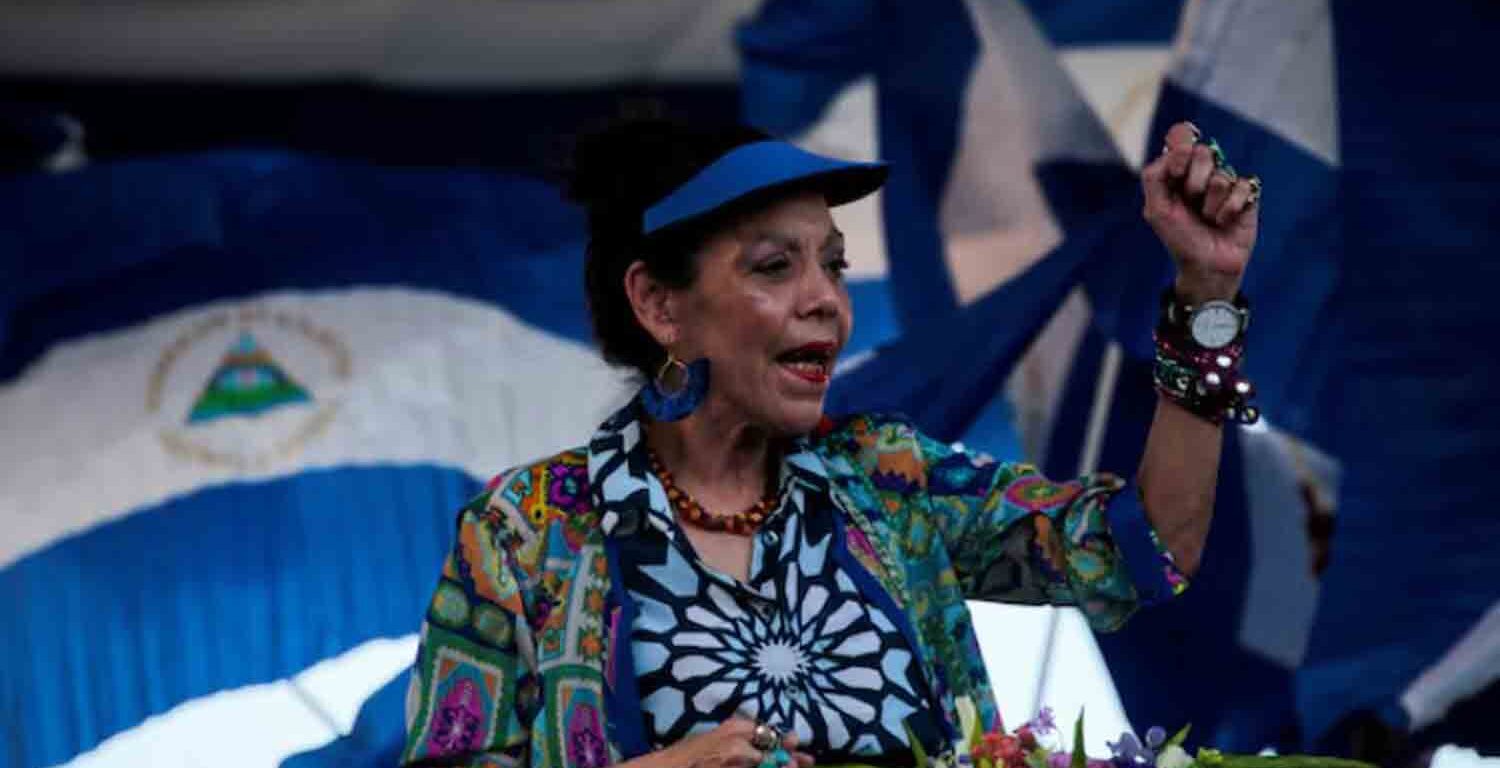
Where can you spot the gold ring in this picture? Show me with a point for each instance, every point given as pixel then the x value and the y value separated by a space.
pixel 1254 182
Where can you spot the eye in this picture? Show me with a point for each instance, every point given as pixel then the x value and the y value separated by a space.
pixel 837 265
pixel 773 265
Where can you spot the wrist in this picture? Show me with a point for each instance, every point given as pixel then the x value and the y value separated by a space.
pixel 1195 287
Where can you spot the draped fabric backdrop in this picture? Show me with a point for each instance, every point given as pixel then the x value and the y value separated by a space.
pixel 281 284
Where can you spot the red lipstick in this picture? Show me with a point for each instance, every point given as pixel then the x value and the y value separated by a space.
pixel 812 362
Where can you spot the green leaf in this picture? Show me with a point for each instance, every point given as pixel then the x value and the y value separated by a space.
pixel 1179 737
pixel 917 751
pixel 1080 757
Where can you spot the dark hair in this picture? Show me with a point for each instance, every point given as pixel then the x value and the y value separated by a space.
pixel 616 174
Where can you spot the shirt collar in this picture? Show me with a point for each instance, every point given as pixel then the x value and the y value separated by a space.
pixel 628 495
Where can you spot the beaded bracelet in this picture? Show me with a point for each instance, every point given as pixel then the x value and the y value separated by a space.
pixel 1206 383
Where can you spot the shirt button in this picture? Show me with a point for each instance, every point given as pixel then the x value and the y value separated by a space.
pixel 772 538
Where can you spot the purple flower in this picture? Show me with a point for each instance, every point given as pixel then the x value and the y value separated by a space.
pixel 1043 723
pixel 1156 737
pixel 1059 760
pixel 1129 751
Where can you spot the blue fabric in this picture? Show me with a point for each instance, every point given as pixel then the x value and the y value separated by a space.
pixel 1132 534
pixel 627 727
pixel 1291 282
pixel 798 54
pixel 232 585
pixel 376 738
pixel 1084 23
pixel 117 244
pixel 171 232
pixel 1411 407
pixel 757 167
pixel 1160 659
pixel 944 372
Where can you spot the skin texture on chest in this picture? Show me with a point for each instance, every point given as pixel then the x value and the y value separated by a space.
pixel 724 552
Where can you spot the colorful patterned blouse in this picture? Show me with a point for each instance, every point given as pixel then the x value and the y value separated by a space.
pixel 807 643
pixel 573 627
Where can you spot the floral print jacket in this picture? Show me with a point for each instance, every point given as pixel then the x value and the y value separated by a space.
pixel 525 658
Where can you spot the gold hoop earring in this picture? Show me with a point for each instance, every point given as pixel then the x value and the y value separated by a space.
pixel 668 368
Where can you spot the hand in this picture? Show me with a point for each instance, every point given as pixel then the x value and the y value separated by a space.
pixel 1206 219
pixel 728 746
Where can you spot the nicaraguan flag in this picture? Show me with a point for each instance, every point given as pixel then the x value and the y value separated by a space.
pixel 243 395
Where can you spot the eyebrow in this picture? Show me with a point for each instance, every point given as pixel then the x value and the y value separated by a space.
pixel 835 237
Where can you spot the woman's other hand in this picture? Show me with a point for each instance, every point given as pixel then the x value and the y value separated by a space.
pixel 728 746
pixel 1205 216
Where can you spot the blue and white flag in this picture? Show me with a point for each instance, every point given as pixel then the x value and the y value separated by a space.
pixel 245 394
pixel 1324 102
pixel 242 393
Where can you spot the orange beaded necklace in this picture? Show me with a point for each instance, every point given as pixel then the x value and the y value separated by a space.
pixel 690 512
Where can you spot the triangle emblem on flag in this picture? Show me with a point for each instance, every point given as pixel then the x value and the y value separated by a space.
pixel 246 382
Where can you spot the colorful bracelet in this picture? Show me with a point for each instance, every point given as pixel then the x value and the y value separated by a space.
pixel 1205 382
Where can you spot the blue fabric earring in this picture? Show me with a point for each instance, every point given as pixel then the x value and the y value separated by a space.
pixel 676 390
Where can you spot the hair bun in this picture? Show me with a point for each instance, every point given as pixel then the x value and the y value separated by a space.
pixel 620 171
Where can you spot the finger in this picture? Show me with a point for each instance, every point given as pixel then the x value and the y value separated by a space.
pixel 745 756
pixel 1239 197
pixel 1177 157
pixel 1220 185
pixel 790 741
pixel 1157 192
pixel 1183 132
pixel 803 759
pixel 1178 148
pixel 738 725
pixel 1201 168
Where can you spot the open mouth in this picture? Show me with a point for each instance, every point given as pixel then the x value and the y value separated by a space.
pixel 811 362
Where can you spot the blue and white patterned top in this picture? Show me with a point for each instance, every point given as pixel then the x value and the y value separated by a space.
pixel 565 573
pixel 799 645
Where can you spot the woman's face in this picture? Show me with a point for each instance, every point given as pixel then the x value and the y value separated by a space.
pixel 770 311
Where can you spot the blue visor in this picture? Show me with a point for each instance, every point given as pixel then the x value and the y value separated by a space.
pixel 758 167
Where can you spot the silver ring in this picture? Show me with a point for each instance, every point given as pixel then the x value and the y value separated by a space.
pixel 765 738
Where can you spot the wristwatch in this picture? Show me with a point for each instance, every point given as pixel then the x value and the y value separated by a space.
pixel 1214 324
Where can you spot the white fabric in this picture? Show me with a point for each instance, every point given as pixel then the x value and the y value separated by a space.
pixel 1020 109
pixel 1470 665
pixel 431 378
pixel 1281 594
pixel 1267 60
pixel 519 43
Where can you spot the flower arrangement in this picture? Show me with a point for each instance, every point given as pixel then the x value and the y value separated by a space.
pixel 1038 744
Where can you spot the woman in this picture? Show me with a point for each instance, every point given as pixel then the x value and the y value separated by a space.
pixel 724 576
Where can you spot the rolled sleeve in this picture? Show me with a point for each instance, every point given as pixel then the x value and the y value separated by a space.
pixel 1152 570
pixel 1015 536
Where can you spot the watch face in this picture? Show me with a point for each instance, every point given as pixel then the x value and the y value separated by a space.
pixel 1215 324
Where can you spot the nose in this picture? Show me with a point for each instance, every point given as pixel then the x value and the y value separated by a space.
pixel 821 293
